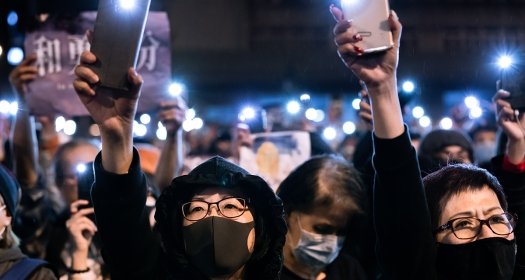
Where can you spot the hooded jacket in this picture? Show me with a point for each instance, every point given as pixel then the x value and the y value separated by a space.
pixel 131 249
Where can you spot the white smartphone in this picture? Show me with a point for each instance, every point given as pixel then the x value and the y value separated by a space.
pixel 370 20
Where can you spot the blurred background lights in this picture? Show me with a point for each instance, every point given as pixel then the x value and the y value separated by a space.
pixel 15 56
pixel 425 121
pixel 475 113
pixel 329 133
pixel 248 113
pixel 94 130
pixel 310 114
pixel 356 103
pixel 70 127
pixel 187 125
pixel 418 112
pixel 127 4
pixel 139 129
pixel 190 114
pixel 293 107
pixel 81 168
pixel 12 18
pixel 349 127
pixel 408 86
pixel 348 2
pixel 4 107
pixel 60 122
pixel 13 108
pixel 504 61
pixel 145 118
pixel 197 123
pixel 162 133
pixel 319 116
pixel 1 50
pixel 446 123
pixel 176 89
pixel 305 97
pixel 471 102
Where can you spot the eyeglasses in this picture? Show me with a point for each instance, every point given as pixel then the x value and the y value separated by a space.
pixel 229 207
pixel 470 227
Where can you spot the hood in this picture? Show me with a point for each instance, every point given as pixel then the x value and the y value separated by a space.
pixel 267 209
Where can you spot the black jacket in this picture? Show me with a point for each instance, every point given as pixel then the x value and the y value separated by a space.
pixel 130 248
pixel 406 247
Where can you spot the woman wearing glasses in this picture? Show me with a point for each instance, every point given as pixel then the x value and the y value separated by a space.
pixel 458 225
pixel 217 222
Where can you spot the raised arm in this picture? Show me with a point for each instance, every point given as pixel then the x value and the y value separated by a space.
pixel 401 217
pixel 171 161
pixel 23 135
pixel 510 171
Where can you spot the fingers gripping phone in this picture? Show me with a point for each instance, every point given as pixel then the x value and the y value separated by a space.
pixel 117 38
pixel 370 20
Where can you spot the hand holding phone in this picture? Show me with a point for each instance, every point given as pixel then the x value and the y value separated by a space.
pixel 513 81
pixel 117 38
pixel 370 20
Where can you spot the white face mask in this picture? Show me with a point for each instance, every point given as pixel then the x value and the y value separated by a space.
pixel 317 250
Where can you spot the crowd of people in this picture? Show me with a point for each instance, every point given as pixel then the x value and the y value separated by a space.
pixel 438 207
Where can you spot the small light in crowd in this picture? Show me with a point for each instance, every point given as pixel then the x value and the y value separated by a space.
pixel 475 113
pixel 145 118
pixel 15 56
pixel 4 107
pixel 127 4
pixel 162 133
pixel 139 129
pixel 176 89
pixel 1 50
pixel 70 127
pixel 198 123
pixel 293 107
pixel 348 2
pixel 471 102
pixel 190 114
pixel 446 123
pixel 305 97
pixel 329 133
pixel 94 130
pixel 13 108
pixel 310 114
pixel 60 122
pixel 356 103
pixel 247 113
pixel 425 121
pixel 159 125
pixel 319 116
pixel 349 127
pixel 187 125
pixel 408 86
pixel 81 168
pixel 12 18
pixel 505 61
pixel 418 112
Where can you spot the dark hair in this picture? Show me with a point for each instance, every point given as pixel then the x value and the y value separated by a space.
pixel 322 181
pixel 451 180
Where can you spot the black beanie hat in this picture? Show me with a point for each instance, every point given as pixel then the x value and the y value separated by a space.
pixel 10 191
pixel 438 139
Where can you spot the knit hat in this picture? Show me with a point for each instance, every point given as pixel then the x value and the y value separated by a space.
pixel 10 190
pixel 438 139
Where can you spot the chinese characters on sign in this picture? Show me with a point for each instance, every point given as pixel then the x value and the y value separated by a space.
pixel 58 52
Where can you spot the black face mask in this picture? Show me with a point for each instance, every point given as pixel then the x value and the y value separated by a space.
pixel 489 258
pixel 217 246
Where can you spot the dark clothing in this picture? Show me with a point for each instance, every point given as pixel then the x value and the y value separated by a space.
pixel 406 247
pixel 9 257
pixel 342 268
pixel 132 251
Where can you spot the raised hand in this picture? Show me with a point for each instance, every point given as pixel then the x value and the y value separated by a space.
pixel 81 229
pixel 373 69
pixel 172 114
pixel 512 124
pixel 24 73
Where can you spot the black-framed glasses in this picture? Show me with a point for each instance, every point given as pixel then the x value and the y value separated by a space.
pixel 470 227
pixel 229 207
